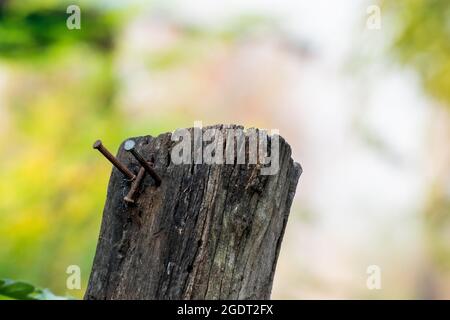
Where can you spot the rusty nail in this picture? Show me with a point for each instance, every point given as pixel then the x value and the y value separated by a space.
pixel 130 147
pixel 135 185
pixel 108 155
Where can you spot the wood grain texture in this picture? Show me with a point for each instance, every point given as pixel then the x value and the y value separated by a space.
pixel 208 232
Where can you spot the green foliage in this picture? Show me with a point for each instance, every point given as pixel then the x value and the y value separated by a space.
pixel 19 290
pixel 30 32
pixel 52 183
pixel 423 41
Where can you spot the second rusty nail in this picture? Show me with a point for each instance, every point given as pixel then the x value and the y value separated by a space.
pixel 108 155
pixel 130 147
pixel 135 185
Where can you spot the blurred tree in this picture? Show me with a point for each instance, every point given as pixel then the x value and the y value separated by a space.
pixel 59 98
pixel 422 41
pixel 30 31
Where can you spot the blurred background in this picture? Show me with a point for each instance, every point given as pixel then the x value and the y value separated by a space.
pixel 366 110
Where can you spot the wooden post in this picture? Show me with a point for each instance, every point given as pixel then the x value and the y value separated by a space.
pixel 207 232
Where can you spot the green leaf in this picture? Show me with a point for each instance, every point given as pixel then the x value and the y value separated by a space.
pixel 21 290
pixel 16 289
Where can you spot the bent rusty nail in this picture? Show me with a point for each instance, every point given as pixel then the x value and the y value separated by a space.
pixel 135 185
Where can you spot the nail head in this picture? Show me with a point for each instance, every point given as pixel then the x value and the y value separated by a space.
pixel 129 145
pixel 97 144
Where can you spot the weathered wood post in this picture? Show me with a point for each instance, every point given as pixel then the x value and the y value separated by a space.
pixel 209 231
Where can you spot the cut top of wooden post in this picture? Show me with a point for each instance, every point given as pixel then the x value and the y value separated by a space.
pixel 211 230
